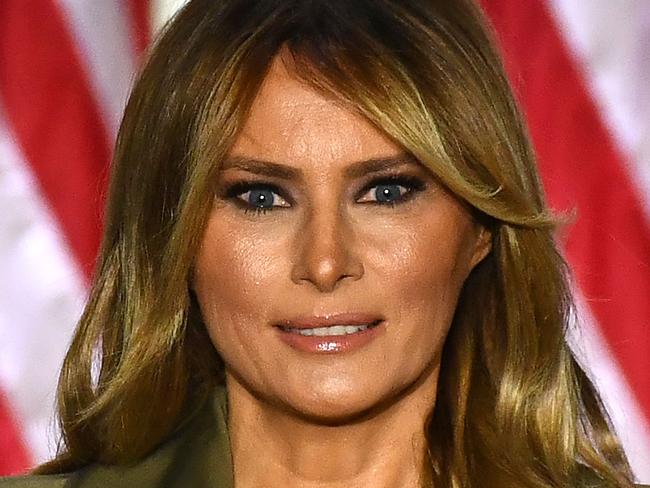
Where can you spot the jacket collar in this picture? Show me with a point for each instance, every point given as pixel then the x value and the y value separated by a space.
pixel 197 455
pixel 202 456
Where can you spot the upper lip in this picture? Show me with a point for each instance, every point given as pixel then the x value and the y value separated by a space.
pixel 329 320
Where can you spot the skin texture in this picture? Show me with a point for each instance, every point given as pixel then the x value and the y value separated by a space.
pixel 345 419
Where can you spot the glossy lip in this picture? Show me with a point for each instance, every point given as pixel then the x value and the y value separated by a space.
pixel 329 320
pixel 331 344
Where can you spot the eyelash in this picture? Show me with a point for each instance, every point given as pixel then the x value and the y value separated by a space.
pixel 412 185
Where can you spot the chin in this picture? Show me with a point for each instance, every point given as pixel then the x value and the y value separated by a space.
pixel 334 411
pixel 337 401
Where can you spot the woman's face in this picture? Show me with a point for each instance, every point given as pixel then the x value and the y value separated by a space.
pixel 332 262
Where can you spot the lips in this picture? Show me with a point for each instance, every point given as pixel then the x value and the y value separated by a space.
pixel 331 320
pixel 332 333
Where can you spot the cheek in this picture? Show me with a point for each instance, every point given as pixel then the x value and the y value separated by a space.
pixel 235 276
pixel 421 273
pixel 422 257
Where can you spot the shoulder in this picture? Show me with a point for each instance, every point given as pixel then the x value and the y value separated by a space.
pixel 197 455
pixel 65 481
pixel 36 481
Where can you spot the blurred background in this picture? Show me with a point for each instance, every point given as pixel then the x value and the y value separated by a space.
pixel 580 69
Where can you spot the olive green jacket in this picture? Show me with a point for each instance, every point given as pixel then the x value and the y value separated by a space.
pixel 195 457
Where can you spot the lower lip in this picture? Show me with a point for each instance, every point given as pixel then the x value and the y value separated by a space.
pixel 331 344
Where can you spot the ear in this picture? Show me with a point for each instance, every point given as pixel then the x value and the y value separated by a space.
pixel 482 246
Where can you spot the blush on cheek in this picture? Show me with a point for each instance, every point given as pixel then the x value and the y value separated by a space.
pixel 237 263
pixel 234 282
pixel 429 287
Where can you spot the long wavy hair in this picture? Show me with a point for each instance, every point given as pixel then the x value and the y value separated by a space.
pixel 513 408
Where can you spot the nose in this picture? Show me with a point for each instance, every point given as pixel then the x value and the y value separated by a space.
pixel 327 252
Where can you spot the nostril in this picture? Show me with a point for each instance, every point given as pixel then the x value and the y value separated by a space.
pixel 324 257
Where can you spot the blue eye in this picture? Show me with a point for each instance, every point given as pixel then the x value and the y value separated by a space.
pixel 260 198
pixel 389 193
pixel 390 190
pixel 257 197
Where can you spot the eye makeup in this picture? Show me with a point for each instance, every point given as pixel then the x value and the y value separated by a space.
pixel 390 190
pixel 263 191
pixel 411 184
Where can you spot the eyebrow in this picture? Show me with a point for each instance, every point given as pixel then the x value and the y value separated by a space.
pixel 355 170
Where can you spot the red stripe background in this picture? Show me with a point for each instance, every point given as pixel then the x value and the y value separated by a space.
pixel 140 10
pixel 14 457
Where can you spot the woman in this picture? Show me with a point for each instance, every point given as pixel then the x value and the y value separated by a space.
pixel 327 262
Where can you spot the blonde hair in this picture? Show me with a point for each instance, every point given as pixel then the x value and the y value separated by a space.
pixel 513 408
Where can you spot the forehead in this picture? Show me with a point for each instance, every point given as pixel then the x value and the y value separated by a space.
pixel 292 123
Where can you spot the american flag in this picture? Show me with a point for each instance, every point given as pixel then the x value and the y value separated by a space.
pixel 581 71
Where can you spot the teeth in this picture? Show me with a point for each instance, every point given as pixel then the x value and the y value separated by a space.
pixel 336 330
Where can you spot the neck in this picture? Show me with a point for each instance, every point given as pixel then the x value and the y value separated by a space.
pixel 275 447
